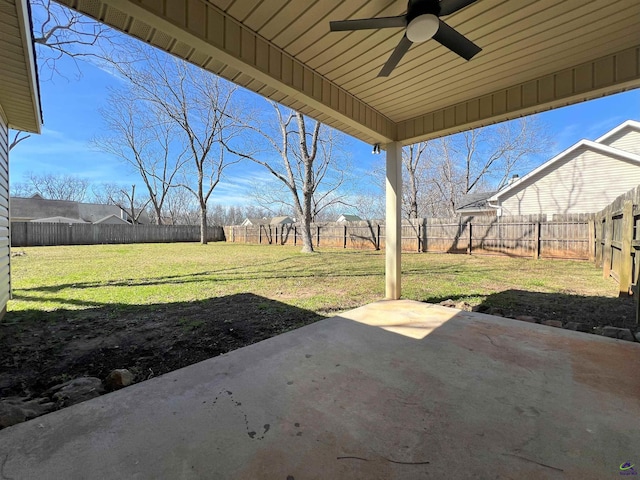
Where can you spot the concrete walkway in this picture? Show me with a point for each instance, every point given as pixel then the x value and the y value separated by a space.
pixel 393 390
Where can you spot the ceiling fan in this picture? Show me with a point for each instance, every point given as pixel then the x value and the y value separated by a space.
pixel 422 22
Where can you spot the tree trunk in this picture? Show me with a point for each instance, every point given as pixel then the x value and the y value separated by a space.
pixel 203 224
pixel 307 239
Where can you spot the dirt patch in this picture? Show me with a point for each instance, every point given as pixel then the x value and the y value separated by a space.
pixel 39 350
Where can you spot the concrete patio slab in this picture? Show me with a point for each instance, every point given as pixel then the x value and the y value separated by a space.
pixel 392 390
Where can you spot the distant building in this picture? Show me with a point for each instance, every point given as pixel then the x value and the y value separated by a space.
pixel 249 222
pixel 476 204
pixel 348 218
pixel 40 209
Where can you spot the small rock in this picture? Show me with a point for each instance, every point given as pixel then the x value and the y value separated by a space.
pixel 463 306
pixel 577 327
pixel 119 378
pixel 526 318
pixel 619 333
pixel 448 303
pixel 552 323
pixel 76 391
pixel 16 410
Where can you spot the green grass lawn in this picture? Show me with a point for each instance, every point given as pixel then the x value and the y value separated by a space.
pixel 332 280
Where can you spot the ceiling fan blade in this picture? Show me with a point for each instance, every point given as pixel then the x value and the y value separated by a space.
pixel 447 7
pixel 368 23
pixel 455 41
pixel 396 56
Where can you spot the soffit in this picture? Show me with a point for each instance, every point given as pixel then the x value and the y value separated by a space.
pixel 19 99
pixel 537 54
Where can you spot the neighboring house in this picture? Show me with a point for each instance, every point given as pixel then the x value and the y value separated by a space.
pixel 281 221
pixel 585 178
pixel 36 208
pixel 248 222
pixel 348 218
pixel 111 220
pixel 19 110
pixel 58 220
pixel 476 204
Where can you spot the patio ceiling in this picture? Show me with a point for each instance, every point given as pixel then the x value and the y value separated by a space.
pixel 19 96
pixel 537 55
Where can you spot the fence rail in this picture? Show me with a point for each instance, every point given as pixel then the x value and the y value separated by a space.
pixel 27 234
pixel 570 237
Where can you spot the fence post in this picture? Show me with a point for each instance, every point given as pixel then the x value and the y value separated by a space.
pixel 536 241
pixel 318 236
pixel 345 237
pixel 470 246
pixel 606 249
pixel 592 240
pixel 260 234
pixel 626 265
pixel 378 244
pixel 295 236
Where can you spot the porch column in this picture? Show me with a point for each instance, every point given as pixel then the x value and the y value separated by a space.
pixel 393 223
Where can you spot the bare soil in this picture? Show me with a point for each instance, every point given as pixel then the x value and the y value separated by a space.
pixel 39 350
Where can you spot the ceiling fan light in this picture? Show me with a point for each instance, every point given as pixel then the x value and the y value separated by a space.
pixel 422 28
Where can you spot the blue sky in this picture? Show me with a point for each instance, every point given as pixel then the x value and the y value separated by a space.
pixel 71 118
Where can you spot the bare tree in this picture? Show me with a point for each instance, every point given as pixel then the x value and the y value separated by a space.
pixel 306 168
pixel 197 103
pixel 124 198
pixel 61 32
pixel 52 187
pixel 144 138
pixel 416 164
pixel 439 173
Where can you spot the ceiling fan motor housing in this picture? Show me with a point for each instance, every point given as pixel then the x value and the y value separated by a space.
pixel 422 19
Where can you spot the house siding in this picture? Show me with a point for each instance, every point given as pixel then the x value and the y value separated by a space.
pixel 627 139
pixel 584 182
pixel 5 254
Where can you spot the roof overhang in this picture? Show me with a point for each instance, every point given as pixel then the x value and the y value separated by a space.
pixel 537 55
pixel 19 94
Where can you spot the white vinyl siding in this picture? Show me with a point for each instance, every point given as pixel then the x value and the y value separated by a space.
pixel 583 182
pixel 5 256
pixel 627 139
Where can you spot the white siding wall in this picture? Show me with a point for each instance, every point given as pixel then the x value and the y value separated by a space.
pixel 5 274
pixel 584 182
pixel 628 139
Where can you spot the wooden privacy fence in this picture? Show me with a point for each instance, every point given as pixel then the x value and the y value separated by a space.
pixel 27 234
pixel 618 240
pixel 570 237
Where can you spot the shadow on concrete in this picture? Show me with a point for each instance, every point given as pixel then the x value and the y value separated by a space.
pixel 40 349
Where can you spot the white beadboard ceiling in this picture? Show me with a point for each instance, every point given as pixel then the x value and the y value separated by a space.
pixel 537 54
pixel 19 97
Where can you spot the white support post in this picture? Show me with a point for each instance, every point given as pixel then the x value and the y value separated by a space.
pixel 393 224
